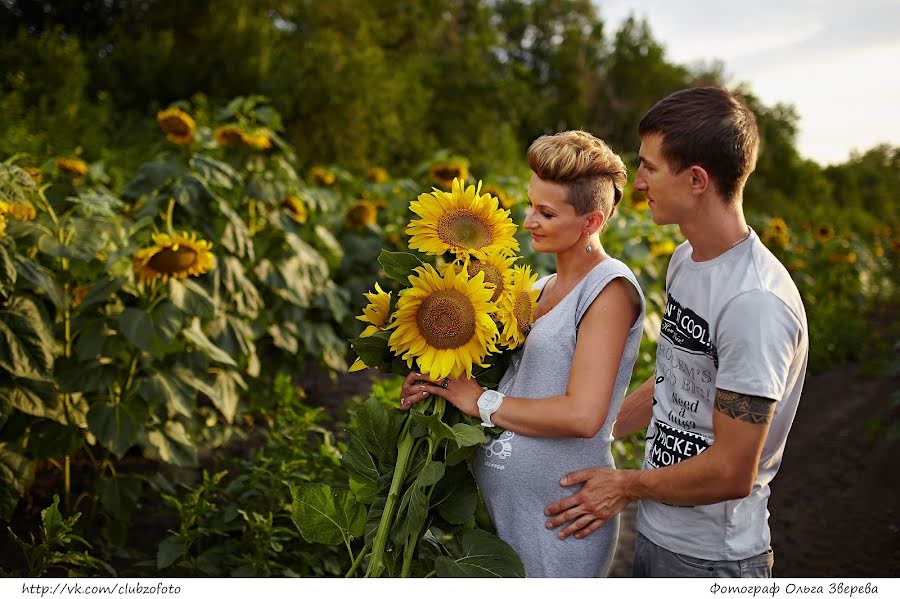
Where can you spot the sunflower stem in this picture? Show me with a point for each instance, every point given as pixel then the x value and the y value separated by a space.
pixel 404 450
pixel 169 212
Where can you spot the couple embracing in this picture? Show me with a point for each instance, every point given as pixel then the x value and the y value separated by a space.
pixel 730 361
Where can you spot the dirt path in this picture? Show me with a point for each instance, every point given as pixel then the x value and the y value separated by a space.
pixel 834 507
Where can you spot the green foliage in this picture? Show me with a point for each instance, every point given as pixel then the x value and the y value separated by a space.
pixel 57 549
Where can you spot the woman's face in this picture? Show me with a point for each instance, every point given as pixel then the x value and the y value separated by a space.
pixel 550 218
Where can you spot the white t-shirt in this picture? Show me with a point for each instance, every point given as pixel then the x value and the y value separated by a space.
pixel 736 323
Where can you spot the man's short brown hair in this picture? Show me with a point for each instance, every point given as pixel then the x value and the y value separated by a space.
pixel 708 127
pixel 594 175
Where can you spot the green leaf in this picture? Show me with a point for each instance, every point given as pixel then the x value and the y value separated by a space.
pixel 173 445
pixel 158 389
pixel 195 335
pixel 372 350
pixel 359 461
pixel 100 291
pixel 326 515
pixel 455 496
pixel 91 338
pixel 411 516
pixel 116 426
pixel 378 429
pixel 49 439
pixel 331 247
pixel 166 321
pixel 26 340
pixel 170 551
pixel 483 556
pixel 137 326
pixel 7 271
pixel 216 172
pixel 398 265
pixel 119 495
pixel 16 476
pixel 40 278
pixel 191 298
pixel 75 376
pixel 150 177
pixel 97 203
pixel 437 426
pixel 430 474
pixel 30 397
pixel 363 489
pixel 466 435
pixel 226 394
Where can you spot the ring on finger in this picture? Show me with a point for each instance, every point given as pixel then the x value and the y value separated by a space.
pixel 445 383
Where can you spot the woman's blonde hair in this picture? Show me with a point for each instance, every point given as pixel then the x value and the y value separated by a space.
pixel 594 174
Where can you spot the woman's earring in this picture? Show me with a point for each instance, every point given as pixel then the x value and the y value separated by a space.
pixel 588 248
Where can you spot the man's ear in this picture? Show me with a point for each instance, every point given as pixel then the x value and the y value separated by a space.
pixel 699 179
pixel 594 222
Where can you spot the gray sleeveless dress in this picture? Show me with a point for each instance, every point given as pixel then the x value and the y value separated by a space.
pixel 518 476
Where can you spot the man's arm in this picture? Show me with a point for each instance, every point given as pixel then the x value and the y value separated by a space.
pixel 727 470
pixel 636 410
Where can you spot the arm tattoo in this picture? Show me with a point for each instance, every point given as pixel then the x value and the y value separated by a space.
pixel 749 408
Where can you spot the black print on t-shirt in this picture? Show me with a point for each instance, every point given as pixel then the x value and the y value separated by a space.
pixel 686 330
pixel 672 445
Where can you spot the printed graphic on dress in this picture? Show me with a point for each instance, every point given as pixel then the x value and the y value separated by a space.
pixel 498 447
pixel 672 445
pixel 687 330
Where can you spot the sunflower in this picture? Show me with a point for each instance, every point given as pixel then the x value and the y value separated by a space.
pixel 461 222
pixel 2 226
pixel 376 174
pixel 228 135
pixel 838 258
pixel 34 172
pixel 824 233
pixel 776 233
pixel 321 175
pixel 258 140
pixel 443 321
pixel 376 312
pixel 178 125
pixel 517 307
pixel 443 173
pixel 663 248
pixel 72 166
pixel 296 208
pixel 177 256
pixel 497 270
pixel 506 200
pixel 362 213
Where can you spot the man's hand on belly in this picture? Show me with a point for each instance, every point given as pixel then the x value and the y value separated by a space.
pixel 602 496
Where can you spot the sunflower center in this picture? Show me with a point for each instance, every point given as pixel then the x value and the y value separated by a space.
pixel 522 310
pixel 446 319
pixel 170 260
pixel 175 126
pixel 446 173
pixel 492 274
pixel 464 229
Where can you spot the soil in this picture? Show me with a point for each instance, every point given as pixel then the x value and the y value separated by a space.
pixel 833 509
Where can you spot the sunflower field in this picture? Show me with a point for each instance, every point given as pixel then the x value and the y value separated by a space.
pixel 165 342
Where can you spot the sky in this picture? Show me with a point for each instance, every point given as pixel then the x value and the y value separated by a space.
pixel 835 61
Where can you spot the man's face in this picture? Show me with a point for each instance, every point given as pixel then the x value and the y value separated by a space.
pixel 668 194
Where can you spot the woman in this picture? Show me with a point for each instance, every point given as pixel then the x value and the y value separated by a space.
pixel 560 396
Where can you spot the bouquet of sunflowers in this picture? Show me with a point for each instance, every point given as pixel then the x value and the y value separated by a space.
pixel 455 315
pixel 411 495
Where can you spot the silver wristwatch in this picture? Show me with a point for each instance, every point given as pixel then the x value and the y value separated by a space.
pixel 488 403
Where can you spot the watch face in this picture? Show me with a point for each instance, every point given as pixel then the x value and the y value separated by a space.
pixel 489 399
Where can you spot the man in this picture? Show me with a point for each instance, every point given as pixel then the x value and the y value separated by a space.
pixel 730 362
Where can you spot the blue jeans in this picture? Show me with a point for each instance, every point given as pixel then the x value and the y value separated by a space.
pixel 652 561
